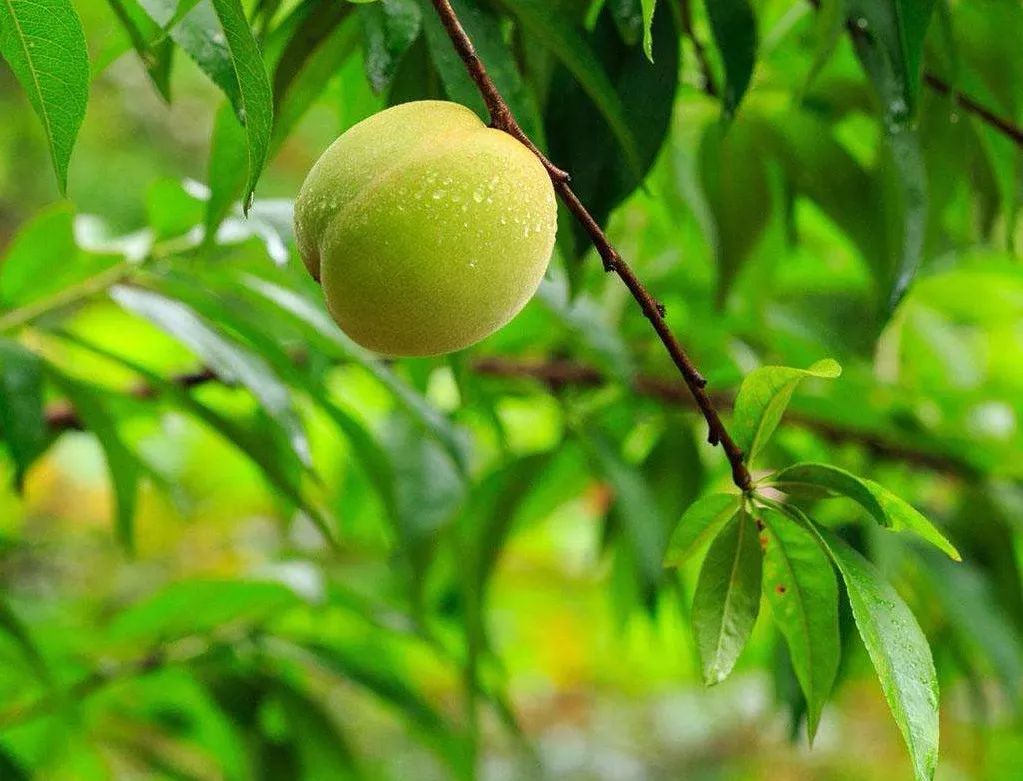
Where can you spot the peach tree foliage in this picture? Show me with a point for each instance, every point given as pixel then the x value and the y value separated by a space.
pixel 894 133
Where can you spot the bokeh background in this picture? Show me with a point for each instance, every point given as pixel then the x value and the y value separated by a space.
pixel 214 635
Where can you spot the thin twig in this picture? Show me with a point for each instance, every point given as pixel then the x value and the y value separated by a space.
pixel 501 117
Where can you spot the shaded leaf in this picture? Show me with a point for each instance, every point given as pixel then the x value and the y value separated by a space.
pixel 319 325
pixel 43 42
pixel 727 597
pixel 22 419
pixel 550 27
pixel 579 136
pixel 635 508
pixel 735 32
pixel 389 27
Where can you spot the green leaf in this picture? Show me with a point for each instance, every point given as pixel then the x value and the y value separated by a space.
pixel 734 179
pixel 226 169
pixel 799 584
pixel 154 51
pixel 43 42
pixel 255 104
pixel 198 606
pixel 216 34
pixel 389 28
pixel 229 360
pixel 727 597
pixel 254 445
pixel 485 29
pixel 649 7
pixel 43 259
pixel 762 399
pixel 322 747
pixel 295 95
pixel 830 24
pixel 552 29
pixel 890 46
pixel 580 138
pixel 22 419
pixel 884 507
pixel 319 326
pixel 635 508
pixel 898 649
pixel 735 32
pixel 124 466
pixel 700 523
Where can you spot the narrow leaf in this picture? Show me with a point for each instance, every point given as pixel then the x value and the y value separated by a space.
pixel 899 651
pixel 124 466
pixel 763 397
pixel 699 525
pixel 883 506
pixel 735 32
pixel 229 360
pixel 567 43
pixel 727 597
pixel 649 7
pixel 255 106
pixel 319 325
pixel 800 586
pixel 22 421
pixel 43 42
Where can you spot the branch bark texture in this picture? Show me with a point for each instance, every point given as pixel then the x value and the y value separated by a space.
pixel 501 118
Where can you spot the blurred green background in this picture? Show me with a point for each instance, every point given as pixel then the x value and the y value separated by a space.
pixel 210 633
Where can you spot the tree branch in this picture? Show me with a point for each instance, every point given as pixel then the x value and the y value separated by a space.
pixel 560 374
pixel 501 118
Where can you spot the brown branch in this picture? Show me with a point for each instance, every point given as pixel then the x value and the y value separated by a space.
pixel 560 374
pixel 557 375
pixel 501 117
pixel 970 104
pixel 62 416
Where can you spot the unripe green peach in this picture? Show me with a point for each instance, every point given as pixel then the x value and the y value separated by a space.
pixel 427 229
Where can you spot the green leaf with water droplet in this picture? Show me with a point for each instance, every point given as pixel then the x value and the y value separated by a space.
pixel 898 649
pixel 883 506
pixel 43 42
pixel 727 597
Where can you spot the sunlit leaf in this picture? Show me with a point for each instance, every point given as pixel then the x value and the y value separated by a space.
pixel 229 360
pixel 700 524
pixel 898 650
pixel 43 42
pixel 883 506
pixel 799 584
pixel 727 597
pixel 762 399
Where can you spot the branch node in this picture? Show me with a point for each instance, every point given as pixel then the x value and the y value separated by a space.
pixel 662 310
